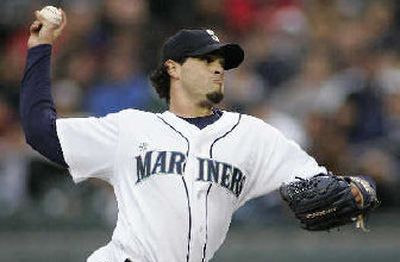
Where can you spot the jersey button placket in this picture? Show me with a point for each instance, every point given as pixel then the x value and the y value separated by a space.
pixel 200 188
pixel 199 191
pixel 195 196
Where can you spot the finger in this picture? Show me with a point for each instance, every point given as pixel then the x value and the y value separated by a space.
pixel 355 191
pixel 64 17
pixel 358 199
pixel 39 16
pixel 357 195
pixel 35 27
pixel 63 20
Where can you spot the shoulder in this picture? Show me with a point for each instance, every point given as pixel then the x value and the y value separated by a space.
pixel 135 113
pixel 252 123
pixel 243 117
pixel 120 118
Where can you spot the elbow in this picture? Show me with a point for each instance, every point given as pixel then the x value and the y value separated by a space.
pixel 33 137
pixel 38 125
pixel 42 137
pixel 36 131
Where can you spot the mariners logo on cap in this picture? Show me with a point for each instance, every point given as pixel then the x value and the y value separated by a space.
pixel 212 34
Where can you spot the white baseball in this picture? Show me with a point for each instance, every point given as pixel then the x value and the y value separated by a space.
pixel 52 14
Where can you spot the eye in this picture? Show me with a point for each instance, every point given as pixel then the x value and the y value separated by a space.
pixel 208 58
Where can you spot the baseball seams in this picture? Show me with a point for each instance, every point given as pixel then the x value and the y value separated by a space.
pixel 52 14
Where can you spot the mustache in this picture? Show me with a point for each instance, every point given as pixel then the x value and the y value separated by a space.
pixel 218 79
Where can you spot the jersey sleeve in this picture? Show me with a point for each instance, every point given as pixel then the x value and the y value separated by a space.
pixel 89 146
pixel 277 160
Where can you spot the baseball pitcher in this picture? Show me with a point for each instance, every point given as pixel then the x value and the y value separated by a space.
pixel 179 176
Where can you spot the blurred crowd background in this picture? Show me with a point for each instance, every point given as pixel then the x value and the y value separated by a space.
pixel 324 72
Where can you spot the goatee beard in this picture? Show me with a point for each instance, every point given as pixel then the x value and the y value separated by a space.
pixel 215 97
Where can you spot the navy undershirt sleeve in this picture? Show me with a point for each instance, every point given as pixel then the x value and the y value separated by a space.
pixel 37 109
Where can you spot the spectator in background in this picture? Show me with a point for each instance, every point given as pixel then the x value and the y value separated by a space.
pixel 291 127
pixel 367 108
pixel 301 95
pixel 245 89
pixel 123 85
pixel 389 79
pixel 67 96
pixel 382 166
pixel 324 72
pixel 13 161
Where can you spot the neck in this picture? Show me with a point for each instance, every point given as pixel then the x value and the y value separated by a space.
pixel 188 109
pixel 184 106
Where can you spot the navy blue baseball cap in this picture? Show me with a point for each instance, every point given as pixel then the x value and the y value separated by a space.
pixel 195 42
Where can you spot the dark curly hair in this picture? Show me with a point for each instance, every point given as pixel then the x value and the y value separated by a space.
pixel 160 80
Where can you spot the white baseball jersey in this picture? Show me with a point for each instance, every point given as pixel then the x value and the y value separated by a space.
pixel 176 185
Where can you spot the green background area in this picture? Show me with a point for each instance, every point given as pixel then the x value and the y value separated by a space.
pixel 273 242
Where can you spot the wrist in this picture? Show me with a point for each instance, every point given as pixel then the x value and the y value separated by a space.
pixel 40 47
pixel 38 43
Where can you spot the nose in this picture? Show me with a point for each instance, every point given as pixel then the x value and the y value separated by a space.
pixel 219 71
pixel 217 67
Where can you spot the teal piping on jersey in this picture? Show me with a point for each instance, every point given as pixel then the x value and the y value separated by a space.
pixel 209 189
pixel 205 244
pixel 185 186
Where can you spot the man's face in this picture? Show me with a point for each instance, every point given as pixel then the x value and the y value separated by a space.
pixel 203 78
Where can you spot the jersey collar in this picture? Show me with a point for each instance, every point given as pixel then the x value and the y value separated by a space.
pixel 223 124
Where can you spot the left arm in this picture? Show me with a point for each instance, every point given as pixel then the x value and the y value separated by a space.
pixel 326 201
pixel 277 160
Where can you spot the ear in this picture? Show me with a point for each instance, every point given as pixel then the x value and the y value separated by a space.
pixel 173 68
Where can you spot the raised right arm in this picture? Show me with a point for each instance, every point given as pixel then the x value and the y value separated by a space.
pixel 37 110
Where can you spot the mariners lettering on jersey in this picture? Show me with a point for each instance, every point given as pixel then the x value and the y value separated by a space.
pixel 228 176
pixel 209 170
pixel 159 162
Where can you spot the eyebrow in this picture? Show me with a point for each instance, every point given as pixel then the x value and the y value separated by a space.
pixel 211 56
